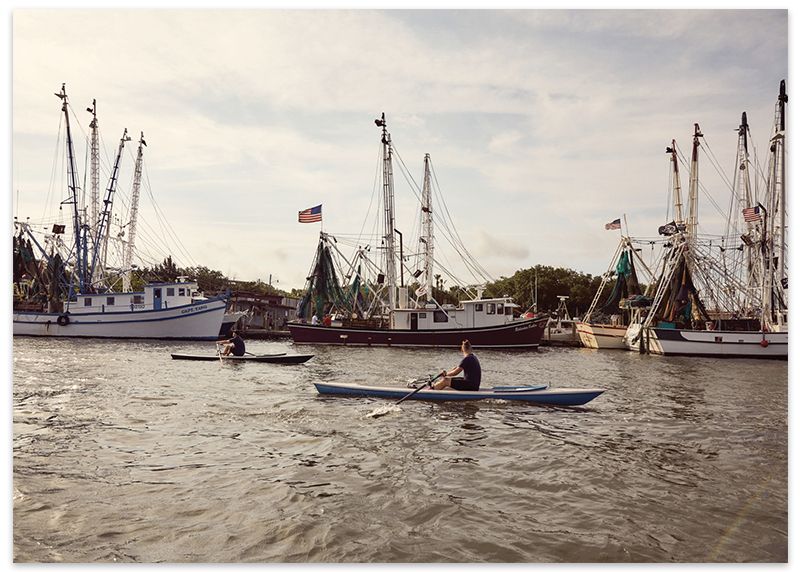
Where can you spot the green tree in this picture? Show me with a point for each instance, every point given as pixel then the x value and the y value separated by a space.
pixel 208 281
pixel 552 282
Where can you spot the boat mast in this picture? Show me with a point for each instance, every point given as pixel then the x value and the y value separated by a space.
pixel 745 198
pixel 780 184
pixel 427 227
pixel 137 180
pixel 775 280
pixel 676 184
pixel 388 202
pixel 72 184
pixel 94 156
pixel 101 236
pixel 693 184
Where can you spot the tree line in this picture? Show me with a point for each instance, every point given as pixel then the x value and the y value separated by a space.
pixel 539 285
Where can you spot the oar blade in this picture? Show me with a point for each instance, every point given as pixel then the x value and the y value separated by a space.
pixel 383 410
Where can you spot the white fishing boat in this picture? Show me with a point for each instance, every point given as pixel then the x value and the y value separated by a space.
pixel 160 311
pixel 717 299
pixel 66 290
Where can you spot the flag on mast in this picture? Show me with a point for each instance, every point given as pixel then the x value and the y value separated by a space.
pixel 752 214
pixel 314 214
pixel 614 225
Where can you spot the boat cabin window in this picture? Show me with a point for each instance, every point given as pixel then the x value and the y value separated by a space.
pixel 87 301
pixel 439 316
pixel 170 291
pixel 509 310
pixel 479 307
pixel 110 301
pixel 490 308
pixel 423 315
pixel 181 291
pixel 138 299
pixel 499 308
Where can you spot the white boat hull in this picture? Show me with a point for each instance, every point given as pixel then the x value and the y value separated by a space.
pixel 710 343
pixel 602 336
pixel 199 321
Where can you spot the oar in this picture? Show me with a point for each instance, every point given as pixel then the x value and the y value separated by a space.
pixel 384 409
pixel 426 384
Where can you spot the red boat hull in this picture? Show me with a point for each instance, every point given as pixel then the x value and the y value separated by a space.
pixel 524 334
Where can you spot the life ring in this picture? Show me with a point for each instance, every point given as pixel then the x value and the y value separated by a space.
pixel 63 320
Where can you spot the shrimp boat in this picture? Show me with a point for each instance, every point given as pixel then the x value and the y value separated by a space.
pixel 724 299
pixel 605 324
pixel 391 302
pixel 65 290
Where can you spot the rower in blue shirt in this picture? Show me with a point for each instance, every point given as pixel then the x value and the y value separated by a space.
pixel 471 368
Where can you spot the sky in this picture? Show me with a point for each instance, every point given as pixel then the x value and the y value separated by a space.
pixel 542 125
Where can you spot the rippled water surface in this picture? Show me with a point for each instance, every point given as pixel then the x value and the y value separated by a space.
pixel 122 454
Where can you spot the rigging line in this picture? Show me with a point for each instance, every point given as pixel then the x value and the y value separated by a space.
pixel 457 282
pixel 374 188
pixel 472 266
pixel 406 172
pixel 55 164
pixel 685 163
pixel 177 239
pixel 450 235
pixel 704 145
pixel 485 274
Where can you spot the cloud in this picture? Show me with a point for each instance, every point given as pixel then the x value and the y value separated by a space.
pixel 512 248
pixel 543 124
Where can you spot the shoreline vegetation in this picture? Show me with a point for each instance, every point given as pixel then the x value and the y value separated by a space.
pixel 540 285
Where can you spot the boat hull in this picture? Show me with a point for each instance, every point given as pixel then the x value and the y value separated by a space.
pixel 273 358
pixel 525 334
pixel 190 322
pixel 710 343
pixel 602 336
pixel 541 396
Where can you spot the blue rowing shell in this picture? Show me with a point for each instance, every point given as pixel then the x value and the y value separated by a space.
pixel 532 394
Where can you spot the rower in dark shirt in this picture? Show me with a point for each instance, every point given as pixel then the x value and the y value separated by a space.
pixel 471 368
pixel 235 345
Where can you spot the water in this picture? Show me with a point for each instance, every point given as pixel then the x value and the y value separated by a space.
pixel 122 454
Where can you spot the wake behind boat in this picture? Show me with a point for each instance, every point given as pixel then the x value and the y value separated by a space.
pixel 540 394
pixel 282 358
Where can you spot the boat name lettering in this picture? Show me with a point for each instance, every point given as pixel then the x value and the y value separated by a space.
pixel 525 327
pixel 193 309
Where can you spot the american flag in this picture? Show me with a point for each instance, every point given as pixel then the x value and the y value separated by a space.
pixel 613 225
pixel 752 214
pixel 314 214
